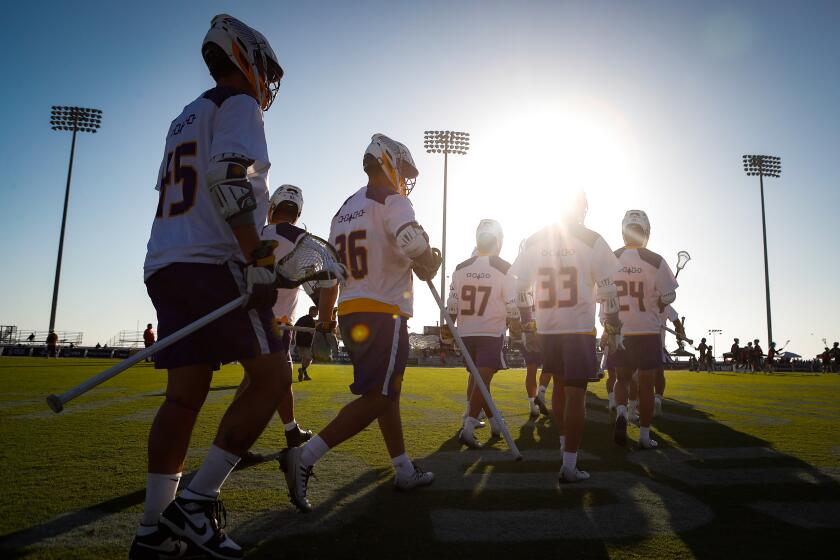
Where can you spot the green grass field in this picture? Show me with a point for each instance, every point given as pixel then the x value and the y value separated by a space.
pixel 748 467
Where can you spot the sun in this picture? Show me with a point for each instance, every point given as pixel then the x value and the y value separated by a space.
pixel 533 162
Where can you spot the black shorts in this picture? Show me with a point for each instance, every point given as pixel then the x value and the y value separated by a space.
pixel 486 351
pixel 185 292
pixel 378 347
pixel 642 351
pixel 571 356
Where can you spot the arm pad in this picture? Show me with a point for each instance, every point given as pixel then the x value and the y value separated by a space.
pixel 452 303
pixel 412 240
pixel 608 296
pixel 230 189
pixel 512 311
pixel 668 298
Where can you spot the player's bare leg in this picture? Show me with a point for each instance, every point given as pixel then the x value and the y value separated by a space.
pixel 574 417
pixel 646 405
pixel 659 391
pixel 476 405
pixel 611 379
pixel 623 379
pixel 545 379
pixel 633 396
pixel 531 388
pixel 558 410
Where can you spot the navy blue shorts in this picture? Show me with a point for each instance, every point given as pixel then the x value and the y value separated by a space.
pixel 185 292
pixel 531 358
pixel 378 347
pixel 641 351
pixel 571 356
pixel 486 351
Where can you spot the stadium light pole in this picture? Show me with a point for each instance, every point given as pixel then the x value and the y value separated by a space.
pixel 74 119
pixel 445 142
pixel 764 166
pixel 713 333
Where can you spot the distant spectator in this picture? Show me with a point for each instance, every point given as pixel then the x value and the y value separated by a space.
pixel 303 342
pixel 31 338
pixel 757 356
pixel 834 353
pixel 826 360
pixel 98 345
pixel 746 356
pixel 52 345
pixel 770 362
pixel 149 339
pixel 710 359
pixel 734 354
pixel 701 350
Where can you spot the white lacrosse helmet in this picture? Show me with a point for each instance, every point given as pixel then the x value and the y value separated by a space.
pixel 575 212
pixel 395 161
pixel 489 230
pixel 285 195
pixel 249 51
pixel 639 219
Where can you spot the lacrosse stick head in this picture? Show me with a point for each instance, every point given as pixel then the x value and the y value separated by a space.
pixel 682 259
pixel 312 259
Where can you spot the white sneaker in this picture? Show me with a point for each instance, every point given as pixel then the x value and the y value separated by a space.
pixel 469 440
pixel 648 444
pixel 572 475
pixel 535 411
pixel 415 480
pixel 495 428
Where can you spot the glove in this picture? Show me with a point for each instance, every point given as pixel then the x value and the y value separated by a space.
pixel 531 341
pixel 515 327
pixel 426 267
pixel 260 279
pixel 612 331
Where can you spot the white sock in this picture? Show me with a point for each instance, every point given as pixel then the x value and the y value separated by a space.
pixel 470 424
pixel 570 460
pixel 634 406
pixel 644 434
pixel 207 482
pixel 621 410
pixel 313 450
pixel 542 391
pixel 291 425
pixel 530 402
pixel 160 491
pixel 611 399
pixel 403 465
pixel 562 443
pixel 658 398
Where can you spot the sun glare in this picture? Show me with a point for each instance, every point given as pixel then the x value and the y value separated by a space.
pixel 535 162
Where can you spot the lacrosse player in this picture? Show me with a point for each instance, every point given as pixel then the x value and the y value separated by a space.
pixel 562 265
pixel 205 251
pixel 284 210
pixel 646 284
pixel 481 301
pixel 380 242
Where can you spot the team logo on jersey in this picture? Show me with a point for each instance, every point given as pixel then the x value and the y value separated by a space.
pixel 479 275
pixel 631 269
pixel 562 252
pixel 351 216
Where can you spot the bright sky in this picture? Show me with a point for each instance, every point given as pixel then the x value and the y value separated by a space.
pixel 644 104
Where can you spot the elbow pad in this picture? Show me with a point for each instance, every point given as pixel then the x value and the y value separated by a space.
pixel 608 296
pixel 667 299
pixel 452 305
pixel 229 187
pixel 512 311
pixel 412 240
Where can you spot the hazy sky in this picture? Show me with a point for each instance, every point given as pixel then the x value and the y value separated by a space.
pixel 644 104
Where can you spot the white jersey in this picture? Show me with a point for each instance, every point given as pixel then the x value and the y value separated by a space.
pixel 563 263
pixel 483 290
pixel 287 237
pixel 364 233
pixel 188 225
pixel 643 277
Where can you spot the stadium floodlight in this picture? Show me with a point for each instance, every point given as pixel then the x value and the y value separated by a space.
pixel 764 166
pixel 445 142
pixel 75 119
pixel 713 333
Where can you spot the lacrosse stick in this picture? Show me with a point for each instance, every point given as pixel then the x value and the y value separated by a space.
pixel 682 259
pixel 474 372
pixel 673 332
pixel 293 328
pixel 311 259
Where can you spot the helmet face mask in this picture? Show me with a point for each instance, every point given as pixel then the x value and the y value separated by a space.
pixel 250 52
pixel 635 228
pixel 395 162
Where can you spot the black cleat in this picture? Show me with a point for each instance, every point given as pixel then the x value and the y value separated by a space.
pixel 296 436
pixel 306 377
pixel 249 460
pixel 201 523
pixel 620 431
pixel 300 374
pixel 156 546
pixel 297 478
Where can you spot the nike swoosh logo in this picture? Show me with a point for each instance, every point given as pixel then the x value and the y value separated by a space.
pixel 200 531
